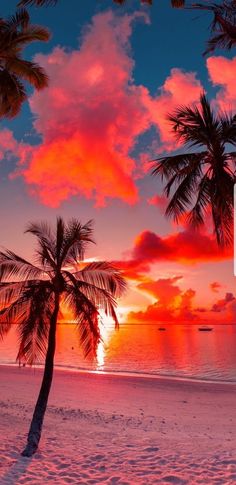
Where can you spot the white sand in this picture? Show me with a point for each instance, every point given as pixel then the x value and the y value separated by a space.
pixel 118 430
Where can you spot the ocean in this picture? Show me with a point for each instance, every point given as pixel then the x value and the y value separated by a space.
pixel 180 351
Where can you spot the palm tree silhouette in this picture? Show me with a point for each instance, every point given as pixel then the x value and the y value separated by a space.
pixel 201 181
pixel 223 26
pixel 40 3
pixel 15 34
pixel 31 296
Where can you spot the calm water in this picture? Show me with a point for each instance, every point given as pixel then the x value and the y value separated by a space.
pixel 180 351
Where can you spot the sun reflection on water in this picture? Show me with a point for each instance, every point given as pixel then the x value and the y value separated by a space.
pixel 106 327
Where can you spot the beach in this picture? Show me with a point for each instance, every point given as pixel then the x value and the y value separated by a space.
pixel 109 429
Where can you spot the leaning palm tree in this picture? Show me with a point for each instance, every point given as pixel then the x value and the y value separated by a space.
pixel 203 180
pixel 40 3
pixel 15 34
pixel 223 26
pixel 31 296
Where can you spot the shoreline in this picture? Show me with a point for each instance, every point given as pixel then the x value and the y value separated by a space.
pixel 132 374
pixel 105 429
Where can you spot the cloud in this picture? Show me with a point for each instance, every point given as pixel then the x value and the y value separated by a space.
pixel 8 144
pixel 172 304
pixel 215 286
pixel 179 88
pixel 220 305
pixel 222 73
pixel 160 201
pixel 89 118
pixel 186 246
pixel 92 115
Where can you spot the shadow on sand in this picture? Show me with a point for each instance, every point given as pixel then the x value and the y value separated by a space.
pixel 16 469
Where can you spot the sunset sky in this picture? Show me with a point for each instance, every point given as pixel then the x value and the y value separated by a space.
pixel 80 149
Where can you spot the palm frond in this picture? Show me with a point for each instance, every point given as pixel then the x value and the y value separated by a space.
pixel 100 297
pixel 76 239
pixel 30 71
pixel 20 20
pixel 103 275
pixel 12 94
pixel 228 128
pixel 34 33
pixel 46 243
pixel 33 329
pixel 86 316
pixel 222 206
pixel 12 265
pixel 178 3
pixel 197 182
pixel 168 167
pixel 223 26
pixel 36 3
pixel 196 216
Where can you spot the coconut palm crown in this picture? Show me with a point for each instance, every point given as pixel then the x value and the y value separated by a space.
pixel 201 182
pixel 15 34
pixel 32 295
pixel 223 26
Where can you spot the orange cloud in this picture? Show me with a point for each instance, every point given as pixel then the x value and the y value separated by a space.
pixel 172 303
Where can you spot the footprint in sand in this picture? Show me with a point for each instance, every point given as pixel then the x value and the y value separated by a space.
pixel 151 449
pixel 174 479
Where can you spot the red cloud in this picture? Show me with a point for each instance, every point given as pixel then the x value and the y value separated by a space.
pixel 186 247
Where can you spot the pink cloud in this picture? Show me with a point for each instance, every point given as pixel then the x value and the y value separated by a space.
pixel 89 118
pixel 160 201
pixel 8 144
pixel 222 73
pixel 92 115
pixel 178 89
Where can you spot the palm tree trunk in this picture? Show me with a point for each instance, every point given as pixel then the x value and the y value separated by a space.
pixel 35 430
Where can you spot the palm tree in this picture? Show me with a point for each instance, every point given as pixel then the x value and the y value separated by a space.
pixel 34 298
pixel 223 26
pixel 15 34
pixel 40 3
pixel 203 180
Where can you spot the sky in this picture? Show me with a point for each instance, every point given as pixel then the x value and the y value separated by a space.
pixel 81 148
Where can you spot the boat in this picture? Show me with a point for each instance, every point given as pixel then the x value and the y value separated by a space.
pixel 161 328
pixel 205 329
